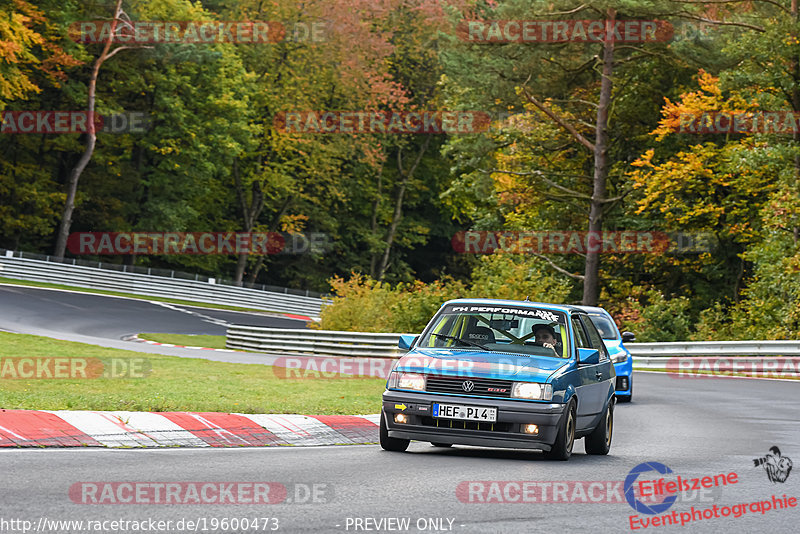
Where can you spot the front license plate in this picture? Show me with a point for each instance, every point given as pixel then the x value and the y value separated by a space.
pixel 469 413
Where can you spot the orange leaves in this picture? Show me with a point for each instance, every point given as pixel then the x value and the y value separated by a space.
pixel 293 223
pixel 718 186
pixel 709 83
pixel 645 161
pixel 708 99
pixel 9 51
pixel 57 60
pixel 26 49
pixel 679 189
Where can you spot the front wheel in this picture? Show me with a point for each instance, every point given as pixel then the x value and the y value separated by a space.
pixel 562 448
pixel 391 444
pixel 599 441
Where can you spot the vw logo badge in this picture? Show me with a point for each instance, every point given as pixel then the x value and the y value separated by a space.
pixel 467 385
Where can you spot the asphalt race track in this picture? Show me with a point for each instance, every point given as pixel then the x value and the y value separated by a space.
pixel 700 427
pixel 103 320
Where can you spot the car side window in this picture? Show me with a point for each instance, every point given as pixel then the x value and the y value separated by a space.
pixel 594 337
pixel 581 341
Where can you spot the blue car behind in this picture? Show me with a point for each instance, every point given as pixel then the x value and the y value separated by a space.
pixel 496 373
pixel 614 341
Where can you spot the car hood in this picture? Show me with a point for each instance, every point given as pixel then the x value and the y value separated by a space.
pixel 480 364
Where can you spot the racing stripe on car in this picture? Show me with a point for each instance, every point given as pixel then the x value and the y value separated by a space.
pixel 224 429
pixel 26 428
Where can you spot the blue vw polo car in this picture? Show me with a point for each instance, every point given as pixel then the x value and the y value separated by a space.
pixel 620 356
pixel 502 373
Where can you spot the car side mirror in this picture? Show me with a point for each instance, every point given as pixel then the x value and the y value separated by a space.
pixel 628 337
pixel 407 341
pixel 588 356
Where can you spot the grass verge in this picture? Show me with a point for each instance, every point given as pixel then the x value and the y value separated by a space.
pixel 188 340
pixel 174 384
pixel 16 282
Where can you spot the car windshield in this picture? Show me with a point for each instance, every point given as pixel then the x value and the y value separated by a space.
pixel 604 326
pixel 507 329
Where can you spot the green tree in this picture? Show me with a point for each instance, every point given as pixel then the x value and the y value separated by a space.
pixel 589 105
pixel 31 54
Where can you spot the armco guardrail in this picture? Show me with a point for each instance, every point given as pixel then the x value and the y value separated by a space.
pixel 314 342
pixel 155 286
pixel 646 355
pixel 697 366
pixel 716 348
pixel 155 271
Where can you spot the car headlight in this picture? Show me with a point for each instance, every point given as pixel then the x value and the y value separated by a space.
pixel 532 391
pixel 407 381
pixel 619 357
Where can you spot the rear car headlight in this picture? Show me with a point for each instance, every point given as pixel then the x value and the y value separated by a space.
pixel 407 381
pixel 619 357
pixel 532 391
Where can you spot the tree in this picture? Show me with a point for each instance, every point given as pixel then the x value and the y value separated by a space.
pixel 33 63
pixel 599 149
pixel 371 58
pixel 758 174
pixel 30 54
pixel 91 135
pixel 714 184
pixel 589 90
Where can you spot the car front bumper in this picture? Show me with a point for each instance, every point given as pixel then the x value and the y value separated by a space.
pixel 512 416
pixel 624 370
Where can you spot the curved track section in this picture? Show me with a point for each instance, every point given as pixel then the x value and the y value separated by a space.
pixel 105 320
pixel 697 428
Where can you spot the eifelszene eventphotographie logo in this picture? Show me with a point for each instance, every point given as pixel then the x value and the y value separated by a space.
pixel 777 467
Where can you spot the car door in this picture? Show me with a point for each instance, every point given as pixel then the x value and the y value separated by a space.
pixel 603 372
pixel 589 390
